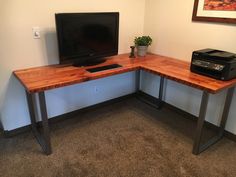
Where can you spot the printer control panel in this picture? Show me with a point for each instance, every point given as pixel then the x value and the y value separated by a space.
pixel 208 65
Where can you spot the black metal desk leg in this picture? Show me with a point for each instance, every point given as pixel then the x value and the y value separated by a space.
pixel 44 115
pixel 198 147
pixel 225 114
pixel 44 137
pixel 200 123
pixel 31 107
pixel 137 82
pixel 161 87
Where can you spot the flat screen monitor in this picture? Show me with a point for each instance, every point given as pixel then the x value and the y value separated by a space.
pixel 87 38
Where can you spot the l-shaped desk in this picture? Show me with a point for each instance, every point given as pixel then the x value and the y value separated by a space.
pixel 40 79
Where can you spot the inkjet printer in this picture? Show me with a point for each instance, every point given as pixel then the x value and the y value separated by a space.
pixel 214 63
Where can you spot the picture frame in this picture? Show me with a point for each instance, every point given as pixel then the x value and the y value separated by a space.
pixel 217 16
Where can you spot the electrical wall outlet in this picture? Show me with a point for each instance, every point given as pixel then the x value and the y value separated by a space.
pixel 36 32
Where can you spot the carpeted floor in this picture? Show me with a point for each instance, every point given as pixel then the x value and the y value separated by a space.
pixel 125 139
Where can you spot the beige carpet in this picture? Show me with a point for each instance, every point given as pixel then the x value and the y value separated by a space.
pixel 126 139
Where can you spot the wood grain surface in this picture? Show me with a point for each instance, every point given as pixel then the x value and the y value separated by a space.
pixel 49 77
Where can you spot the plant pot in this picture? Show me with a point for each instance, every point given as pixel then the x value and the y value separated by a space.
pixel 142 50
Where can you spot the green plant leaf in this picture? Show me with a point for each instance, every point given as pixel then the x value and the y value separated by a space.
pixel 143 41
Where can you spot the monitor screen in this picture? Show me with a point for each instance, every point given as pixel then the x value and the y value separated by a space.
pixel 85 37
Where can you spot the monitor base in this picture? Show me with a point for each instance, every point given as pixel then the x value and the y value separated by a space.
pixel 90 63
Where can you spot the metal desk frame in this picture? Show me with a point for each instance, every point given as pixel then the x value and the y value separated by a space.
pixel 43 136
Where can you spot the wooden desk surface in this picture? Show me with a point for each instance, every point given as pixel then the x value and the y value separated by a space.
pixel 49 77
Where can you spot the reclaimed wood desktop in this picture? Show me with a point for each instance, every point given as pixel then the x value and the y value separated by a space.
pixel 40 79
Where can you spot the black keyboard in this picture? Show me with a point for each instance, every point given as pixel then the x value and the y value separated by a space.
pixel 103 68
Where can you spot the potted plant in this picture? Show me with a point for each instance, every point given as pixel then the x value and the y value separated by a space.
pixel 142 44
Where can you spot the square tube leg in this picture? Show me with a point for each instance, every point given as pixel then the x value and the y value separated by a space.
pixel 161 88
pixel 225 114
pixel 137 81
pixel 198 147
pixel 43 137
pixel 31 107
pixel 44 115
pixel 200 123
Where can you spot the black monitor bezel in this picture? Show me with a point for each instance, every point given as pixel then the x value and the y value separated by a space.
pixel 87 59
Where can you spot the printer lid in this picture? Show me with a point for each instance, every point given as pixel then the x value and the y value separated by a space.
pixel 218 54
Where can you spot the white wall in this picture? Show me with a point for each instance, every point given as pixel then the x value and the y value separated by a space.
pixel 175 35
pixel 168 22
pixel 19 50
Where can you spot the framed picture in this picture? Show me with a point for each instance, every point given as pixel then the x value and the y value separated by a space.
pixel 221 11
